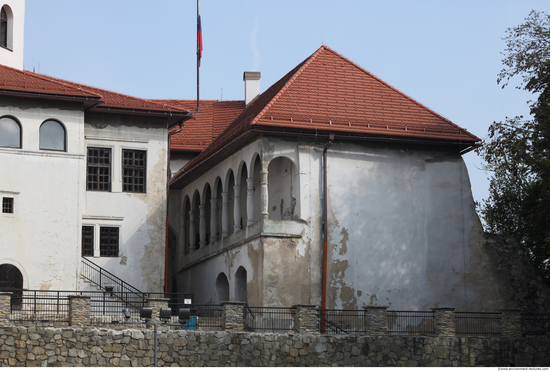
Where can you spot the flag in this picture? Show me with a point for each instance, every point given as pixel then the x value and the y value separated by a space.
pixel 199 34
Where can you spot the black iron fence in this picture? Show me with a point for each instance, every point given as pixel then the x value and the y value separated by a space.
pixel 341 321
pixel 268 319
pixel 475 323
pixel 40 306
pixel 410 322
pixel 535 324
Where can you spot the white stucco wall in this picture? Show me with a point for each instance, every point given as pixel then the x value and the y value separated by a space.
pixel 12 56
pixel 141 217
pixel 42 237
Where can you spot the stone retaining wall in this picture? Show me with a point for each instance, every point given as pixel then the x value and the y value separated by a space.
pixel 42 346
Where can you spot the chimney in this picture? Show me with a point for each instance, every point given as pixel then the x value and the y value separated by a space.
pixel 251 86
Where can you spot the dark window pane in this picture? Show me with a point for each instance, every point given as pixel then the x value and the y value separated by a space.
pixel 87 241
pixel 108 241
pixel 98 170
pixel 10 133
pixel 134 171
pixel 7 205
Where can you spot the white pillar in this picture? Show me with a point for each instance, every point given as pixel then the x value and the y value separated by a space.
pixel 202 226
pixel 249 201
pixel 225 214
pixel 237 208
pixel 213 219
pixel 264 195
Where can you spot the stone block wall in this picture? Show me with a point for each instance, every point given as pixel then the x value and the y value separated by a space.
pixel 43 346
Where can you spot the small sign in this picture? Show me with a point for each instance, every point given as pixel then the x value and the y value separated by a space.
pixel 186 301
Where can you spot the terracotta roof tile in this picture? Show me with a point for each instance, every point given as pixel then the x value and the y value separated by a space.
pixel 14 81
pixel 329 93
pixel 207 125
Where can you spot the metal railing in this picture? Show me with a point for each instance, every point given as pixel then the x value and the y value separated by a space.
pixel 341 321
pixel 40 306
pixel 110 283
pixel 268 319
pixel 476 323
pixel 535 324
pixel 410 322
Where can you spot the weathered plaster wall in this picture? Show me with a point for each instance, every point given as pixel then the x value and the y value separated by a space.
pixel 402 229
pixel 42 238
pixel 141 217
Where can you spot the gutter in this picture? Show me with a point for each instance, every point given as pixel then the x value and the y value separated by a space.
pixel 325 232
pixel 188 116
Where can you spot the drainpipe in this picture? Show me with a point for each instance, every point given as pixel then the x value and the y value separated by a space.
pixel 168 204
pixel 325 228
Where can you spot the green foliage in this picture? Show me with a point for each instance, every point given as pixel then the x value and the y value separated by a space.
pixel 517 150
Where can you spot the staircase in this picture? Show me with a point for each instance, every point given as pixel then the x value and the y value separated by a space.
pixel 119 289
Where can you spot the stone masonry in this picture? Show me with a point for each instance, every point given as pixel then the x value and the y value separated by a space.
pixel 305 318
pixel 233 315
pixel 57 347
pixel 5 306
pixel 444 321
pixel 79 310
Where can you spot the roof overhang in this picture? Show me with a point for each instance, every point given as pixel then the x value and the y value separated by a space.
pixel 87 102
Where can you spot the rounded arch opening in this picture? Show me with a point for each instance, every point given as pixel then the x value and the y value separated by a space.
pixel 6 27
pixel 240 285
pixel 283 189
pixel 11 279
pixel 222 288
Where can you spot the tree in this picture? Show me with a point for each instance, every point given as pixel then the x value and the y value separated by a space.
pixel 517 150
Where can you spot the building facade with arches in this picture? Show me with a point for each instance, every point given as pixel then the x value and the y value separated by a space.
pixel 330 188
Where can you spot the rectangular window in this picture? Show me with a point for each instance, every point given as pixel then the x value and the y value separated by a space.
pixel 87 241
pixel 108 241
pixel 134 170
pixel 98 173
pixel 7 205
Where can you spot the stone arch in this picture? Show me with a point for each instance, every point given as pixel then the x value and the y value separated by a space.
pixel 222 288
pixel 242 196
pixel 217 194
pixel 205 215
pixel 240 285
pixel 194 221
pixel 230 201
pixel 255 169
pixel 283 189
pixel 185 215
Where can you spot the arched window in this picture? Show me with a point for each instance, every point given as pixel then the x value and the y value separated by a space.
pixel 3 27
pixel 10 133
pixel 52 136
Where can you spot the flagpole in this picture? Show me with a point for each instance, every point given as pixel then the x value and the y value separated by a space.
pixel 198 54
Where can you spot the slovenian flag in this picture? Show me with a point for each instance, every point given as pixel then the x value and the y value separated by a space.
pixel 199 34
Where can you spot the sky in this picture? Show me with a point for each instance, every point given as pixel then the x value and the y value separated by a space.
pixel 444 54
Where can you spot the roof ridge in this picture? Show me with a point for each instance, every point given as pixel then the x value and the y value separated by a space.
pixel 304 64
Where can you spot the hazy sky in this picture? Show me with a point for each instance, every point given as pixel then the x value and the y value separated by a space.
pixel 444 54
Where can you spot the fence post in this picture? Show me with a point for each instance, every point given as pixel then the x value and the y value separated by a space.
pixel 156 304
pixel 305 318
pixel 5 306
pixel 444 321
pixel 80 310
pixel 511 323
pixel 233 315
pixel 376 322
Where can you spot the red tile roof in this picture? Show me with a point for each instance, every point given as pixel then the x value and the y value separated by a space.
pixel 17 82
pixel 328 93
pixel 206 125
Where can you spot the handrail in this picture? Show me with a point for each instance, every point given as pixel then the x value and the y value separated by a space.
pixel 325 321
pixel 105 277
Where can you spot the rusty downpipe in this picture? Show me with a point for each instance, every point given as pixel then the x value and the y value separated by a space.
pixel 325 233
pixel 168 203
